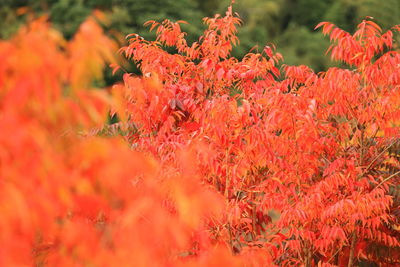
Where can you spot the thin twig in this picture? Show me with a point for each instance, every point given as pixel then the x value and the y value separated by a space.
pixel 331 258
pixel 387 179
pixel 379 155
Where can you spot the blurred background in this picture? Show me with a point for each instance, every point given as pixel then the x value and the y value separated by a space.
pixel 288 24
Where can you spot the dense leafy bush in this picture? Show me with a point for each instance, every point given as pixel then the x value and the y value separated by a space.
pixel 230 162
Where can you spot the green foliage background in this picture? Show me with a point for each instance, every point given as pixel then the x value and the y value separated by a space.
pixel 288 24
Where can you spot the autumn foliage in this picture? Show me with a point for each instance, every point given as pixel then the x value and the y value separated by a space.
pixel 215 161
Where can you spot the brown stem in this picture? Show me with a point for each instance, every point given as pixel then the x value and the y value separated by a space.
pixel 362 147
pixel 231 239
pixel 254 218
pixel 227 180
pixel 307 250
pixel 308 258
pixel 352 247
